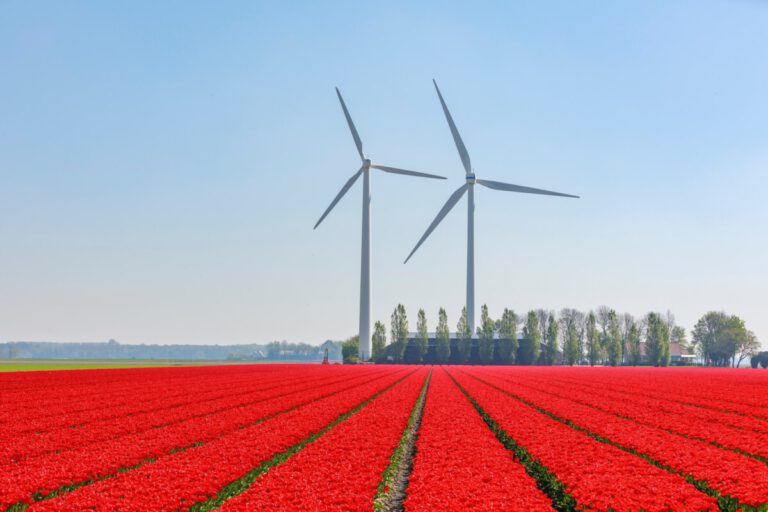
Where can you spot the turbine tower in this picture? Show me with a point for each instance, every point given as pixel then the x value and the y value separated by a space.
pixel 365 251
pixel 469 188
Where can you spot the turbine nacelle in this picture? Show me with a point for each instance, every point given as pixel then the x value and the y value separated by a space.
pixel 366 165
pixel 471 180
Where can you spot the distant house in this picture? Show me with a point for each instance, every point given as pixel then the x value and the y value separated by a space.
pixel 679 356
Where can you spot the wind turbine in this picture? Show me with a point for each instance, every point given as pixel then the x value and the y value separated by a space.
pixel 469 188
pixel 365 251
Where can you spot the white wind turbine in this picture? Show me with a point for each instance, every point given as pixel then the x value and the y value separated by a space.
pixel 469 187
pixel 365 252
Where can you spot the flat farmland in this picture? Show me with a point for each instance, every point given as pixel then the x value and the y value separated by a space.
pixel 331 437
pixel 37 365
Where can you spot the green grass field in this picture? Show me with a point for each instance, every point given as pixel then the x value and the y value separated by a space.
pixel 31 365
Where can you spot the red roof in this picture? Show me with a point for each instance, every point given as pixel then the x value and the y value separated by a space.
pixel 674 349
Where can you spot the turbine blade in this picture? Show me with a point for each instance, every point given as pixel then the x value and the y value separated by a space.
pixel 395 170
pixel 341 193
pixel 352 128
pixel 497 185
pixel 440 215
pixel 456 137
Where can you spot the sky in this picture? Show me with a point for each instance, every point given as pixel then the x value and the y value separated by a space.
pixel 162 164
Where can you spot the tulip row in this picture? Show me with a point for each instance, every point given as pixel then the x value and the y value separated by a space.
pixel 22 446
pixel 18 482
pixel 50 390
pixel 727 473
pixel 730 431
pixel 664 405
pixel 724 390
pixel 115 400
pixel 453 440
pixel 596 475
pixel 196 475
pixel 342 469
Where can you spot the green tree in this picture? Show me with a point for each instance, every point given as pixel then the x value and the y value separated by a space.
pixel 665 353
pixel 571 348
pixel 529 352
pixel 719 337
pixel 613 346
pixel 378 342
pixel 571 322
pixel 399 332
pixel 443 347
pixel 627 321
pixel 750 348
pixel 594 350
pixel 350 350
pixel 708 338
pixel 580 319
pixel 737 337
pixel 550 351
pixel 485 334
pixel 507 337
pixel 633 345
pixel 677 335
pixel 603 316
pixel 422 338
pixel 657 340
pixel 542 315
pixel 464 335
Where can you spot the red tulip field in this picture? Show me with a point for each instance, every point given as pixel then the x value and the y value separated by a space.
pixel 331 437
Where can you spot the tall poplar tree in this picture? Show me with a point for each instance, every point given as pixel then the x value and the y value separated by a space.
pixel 571 325
pixel 593 340
pixel 613 345
pixel 532 338
pixel 657 340
pixel 378 341
pixel 443 347
pixel 633 344
pixel 399 332
pixel 422 339
pixel 507 337
pixel 543 317
pixel 571 347
pixel 627 321
pixel 485 335
pixel 550 350
pixel 464 334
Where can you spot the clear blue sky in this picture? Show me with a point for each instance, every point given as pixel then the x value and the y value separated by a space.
pixel 162 163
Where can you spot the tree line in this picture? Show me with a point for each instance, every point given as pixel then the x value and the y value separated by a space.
pixel 597 337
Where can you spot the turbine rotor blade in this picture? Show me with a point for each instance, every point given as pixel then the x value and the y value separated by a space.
pixel 395 170
pixel 497 185
pixel 455 132
pixel 440 215
pixel 341 193
pixel 352 128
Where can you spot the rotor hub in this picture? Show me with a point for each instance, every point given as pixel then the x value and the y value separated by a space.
pixel 366 162
pixel 471 179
